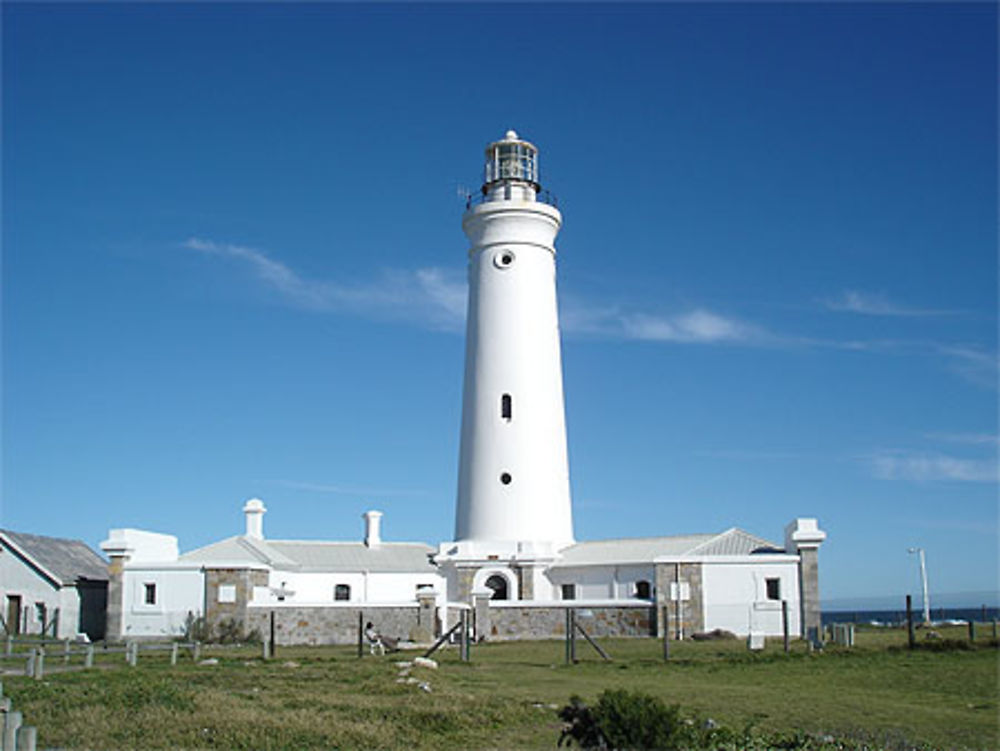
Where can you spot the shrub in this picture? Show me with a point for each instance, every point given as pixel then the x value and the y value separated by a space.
pixel 629 720
pixel 196 628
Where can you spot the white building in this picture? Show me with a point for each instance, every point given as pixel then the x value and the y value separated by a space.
pixel 514 548
pixel 51 586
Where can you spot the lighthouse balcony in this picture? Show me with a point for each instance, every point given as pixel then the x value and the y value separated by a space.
pixel 511 192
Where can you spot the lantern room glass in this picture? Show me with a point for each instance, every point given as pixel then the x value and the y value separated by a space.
pixel 511 160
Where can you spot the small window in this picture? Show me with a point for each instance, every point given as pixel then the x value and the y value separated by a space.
pixel 506 407
pixel 773 589
pixel 342 592
pixel 505 478
pixel 149 593
pixel 568 591
pixel 227 593
pixel 642 590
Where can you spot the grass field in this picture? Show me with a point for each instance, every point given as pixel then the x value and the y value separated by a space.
pixel 321 698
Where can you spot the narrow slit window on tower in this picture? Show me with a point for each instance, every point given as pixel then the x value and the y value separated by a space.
pixel 506 407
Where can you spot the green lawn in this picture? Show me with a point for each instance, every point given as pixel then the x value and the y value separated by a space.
pixel 323 698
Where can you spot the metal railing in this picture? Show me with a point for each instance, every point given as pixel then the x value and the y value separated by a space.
pixel 541 196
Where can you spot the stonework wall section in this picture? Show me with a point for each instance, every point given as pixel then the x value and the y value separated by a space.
pixel 326 625
pixel 514 622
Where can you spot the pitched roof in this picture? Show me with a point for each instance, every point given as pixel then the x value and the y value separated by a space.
pixel 316 555
pixel 65 560
pixel 646 549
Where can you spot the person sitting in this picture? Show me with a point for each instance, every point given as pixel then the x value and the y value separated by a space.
pixel 377 643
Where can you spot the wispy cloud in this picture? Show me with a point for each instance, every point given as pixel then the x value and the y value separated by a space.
pixel 973 364
pixel 873 304
pixel 921 467
pixel 352 490
pixel 435 297
pixel 697 326
pixel 973 439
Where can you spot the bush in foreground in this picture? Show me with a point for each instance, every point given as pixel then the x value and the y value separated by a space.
pixel 624 720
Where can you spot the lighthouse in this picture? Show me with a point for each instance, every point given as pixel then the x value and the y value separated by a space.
pixel 513 510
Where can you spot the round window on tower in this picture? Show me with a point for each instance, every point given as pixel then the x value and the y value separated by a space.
pixel 505 478
pixel 504 259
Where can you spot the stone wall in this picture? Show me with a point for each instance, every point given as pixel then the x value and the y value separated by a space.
pixel 329 624
pixel 244 580
pixel 115 623
pixel 549 621
pixel 809 589
pixel 687 616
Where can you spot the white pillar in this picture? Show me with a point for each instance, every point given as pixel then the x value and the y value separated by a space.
pixel 513 471
pixel 373 523
pixel 254 512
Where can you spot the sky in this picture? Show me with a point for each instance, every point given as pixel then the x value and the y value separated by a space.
pixel 233 267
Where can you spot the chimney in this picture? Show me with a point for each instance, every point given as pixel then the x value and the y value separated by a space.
pixel 254 512
pixel 373 519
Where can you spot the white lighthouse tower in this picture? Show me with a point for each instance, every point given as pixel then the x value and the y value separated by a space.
pixel 513 509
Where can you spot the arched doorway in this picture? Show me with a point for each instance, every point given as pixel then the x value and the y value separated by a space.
pixel 498 585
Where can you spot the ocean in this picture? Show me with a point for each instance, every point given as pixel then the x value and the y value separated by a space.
pixel 891 617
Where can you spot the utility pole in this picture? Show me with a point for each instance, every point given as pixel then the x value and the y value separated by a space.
pixel 923 583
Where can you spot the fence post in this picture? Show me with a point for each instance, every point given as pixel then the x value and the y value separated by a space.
pixel 463 636
pixel 88 660
pixel 666 633
pixel 972 630
pixel 361 634
pixel 29 665
pixel 132 653
pixel 265 650
pixel 66 651
pixel 994 628
pixel 911 638
pixel 572 634
pixel 12 721
pixel 784 624
pixel 40 664
pixel 197 651
pixel 173 654
pixel 10 646
pixel 272 646
pixel 569 635
pixel 27 738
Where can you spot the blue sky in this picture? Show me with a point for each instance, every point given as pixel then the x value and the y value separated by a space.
pixel 233 266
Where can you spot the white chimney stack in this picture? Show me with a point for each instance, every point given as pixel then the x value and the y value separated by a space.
pixel 254 512
pixel 373 520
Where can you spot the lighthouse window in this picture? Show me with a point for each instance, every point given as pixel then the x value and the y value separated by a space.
pixel 505 478
pixel 504 259
pixel 342 592
pixel 506 407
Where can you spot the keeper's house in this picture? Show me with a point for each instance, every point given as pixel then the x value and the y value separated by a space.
pixel 51 586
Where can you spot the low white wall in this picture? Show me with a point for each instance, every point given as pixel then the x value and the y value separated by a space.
pixel 179 591
pixel 735 597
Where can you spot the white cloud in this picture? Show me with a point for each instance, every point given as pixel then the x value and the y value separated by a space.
pixel 433 297
pixel 917 467
pixel 697 326
pixel 867 303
